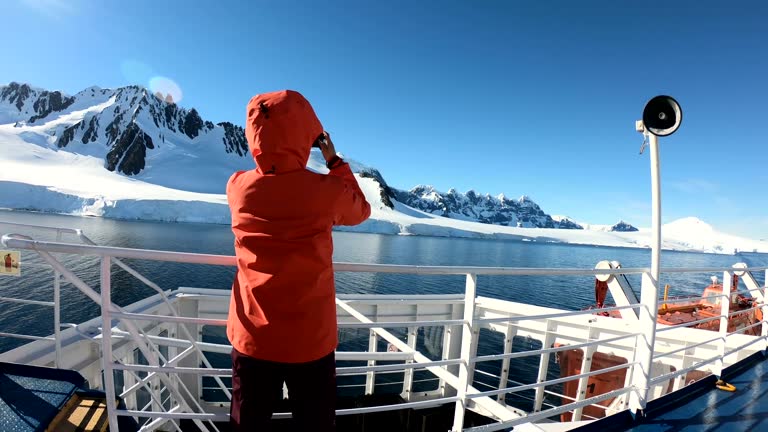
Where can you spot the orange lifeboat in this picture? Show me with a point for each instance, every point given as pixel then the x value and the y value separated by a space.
pixel 696 309
pixel 677 313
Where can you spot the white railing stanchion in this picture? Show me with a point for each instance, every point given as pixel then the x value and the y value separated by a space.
pixel 470 298
pixel 370 376
pixel 57 308
pixel 106 342
pixel 408 374
pixel 764 310
pixel 641 374
pixel 725 307
pixel 509 334
pixel 549 340
pixel 57 315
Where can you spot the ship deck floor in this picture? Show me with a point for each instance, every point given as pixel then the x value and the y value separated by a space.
pixel 704 408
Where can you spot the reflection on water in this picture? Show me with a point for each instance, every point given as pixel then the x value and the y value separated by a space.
pixel 562 291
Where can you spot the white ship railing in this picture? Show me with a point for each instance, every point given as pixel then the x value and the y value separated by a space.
pixel 455 371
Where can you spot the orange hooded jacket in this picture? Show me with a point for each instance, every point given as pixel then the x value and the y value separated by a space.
pixel 283 297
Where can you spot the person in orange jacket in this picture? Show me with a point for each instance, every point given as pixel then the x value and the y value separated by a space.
pixel 282 313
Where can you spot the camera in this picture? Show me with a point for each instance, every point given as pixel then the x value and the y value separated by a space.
pixel 320 140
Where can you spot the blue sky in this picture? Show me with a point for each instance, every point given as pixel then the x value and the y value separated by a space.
pixel 513 97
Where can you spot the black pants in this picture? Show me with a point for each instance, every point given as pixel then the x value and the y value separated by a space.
pixel 257 388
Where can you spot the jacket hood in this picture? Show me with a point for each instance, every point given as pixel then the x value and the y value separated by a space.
pixel 280 128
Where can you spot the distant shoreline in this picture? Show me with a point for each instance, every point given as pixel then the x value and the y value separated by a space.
pixel 478 236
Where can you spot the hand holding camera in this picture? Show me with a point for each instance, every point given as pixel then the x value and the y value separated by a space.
pixel 326 146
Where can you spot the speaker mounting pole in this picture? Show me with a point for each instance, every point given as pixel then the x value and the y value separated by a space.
pixel 661 117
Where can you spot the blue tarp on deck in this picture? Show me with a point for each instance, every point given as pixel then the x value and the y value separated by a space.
pixel 30 396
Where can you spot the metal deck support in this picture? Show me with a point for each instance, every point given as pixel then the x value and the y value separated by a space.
pixel 725 309
pixel 549 340
pixel 509 335
pixel 106 342
pixel 467 337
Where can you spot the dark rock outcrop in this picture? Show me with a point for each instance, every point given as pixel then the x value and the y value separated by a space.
pixel 623 227
pixel 385 192
pixel 128 155
pixel 234 139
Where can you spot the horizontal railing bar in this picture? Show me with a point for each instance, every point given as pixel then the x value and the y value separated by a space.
pixel 482 372
pixel 554 349
pixel 743 329
pixel 169 318
pixel 24 301
pixel 228 260
pixel 550 382
pixel 498 271
pixel 688 324
pixel 743 311
pixel 405 298
pixel 339 371
pixel 142 254
pixel 226 349
pixel 174 370
pixel 712 269
pixel 378 356
pixel 671 375
pixel 476 382
pixel 42 227
pixel 341 412
pixel 390 324
pixel 175 342
pixel 407 405
pixel 396 367
pixel 425 380
pixel 28 337
pixel 685 348
pixel 552 315
pixel 174 415
pixel 696 300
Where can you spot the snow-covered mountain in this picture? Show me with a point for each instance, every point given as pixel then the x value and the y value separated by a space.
pixel 145 136
pixel 126 153
pixel 133 131
pixel 499 210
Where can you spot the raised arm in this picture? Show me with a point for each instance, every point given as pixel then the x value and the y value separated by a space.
pixel 351 207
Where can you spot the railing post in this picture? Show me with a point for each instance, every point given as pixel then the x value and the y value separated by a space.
pixel 413 333
pixel 106 342
pixel 57 309
pixel 370 376
pixel 764 309
pixel 641 373
pixel 549 340
pixel 466 351
pixel 509 337
pixel 57 315
pixel 725 309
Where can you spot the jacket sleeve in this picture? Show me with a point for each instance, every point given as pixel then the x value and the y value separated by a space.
pixel 351 206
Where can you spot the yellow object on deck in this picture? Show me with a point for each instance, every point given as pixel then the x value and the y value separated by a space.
pixel 81 414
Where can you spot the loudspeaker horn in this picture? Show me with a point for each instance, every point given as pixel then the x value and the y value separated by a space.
pixel 662 115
